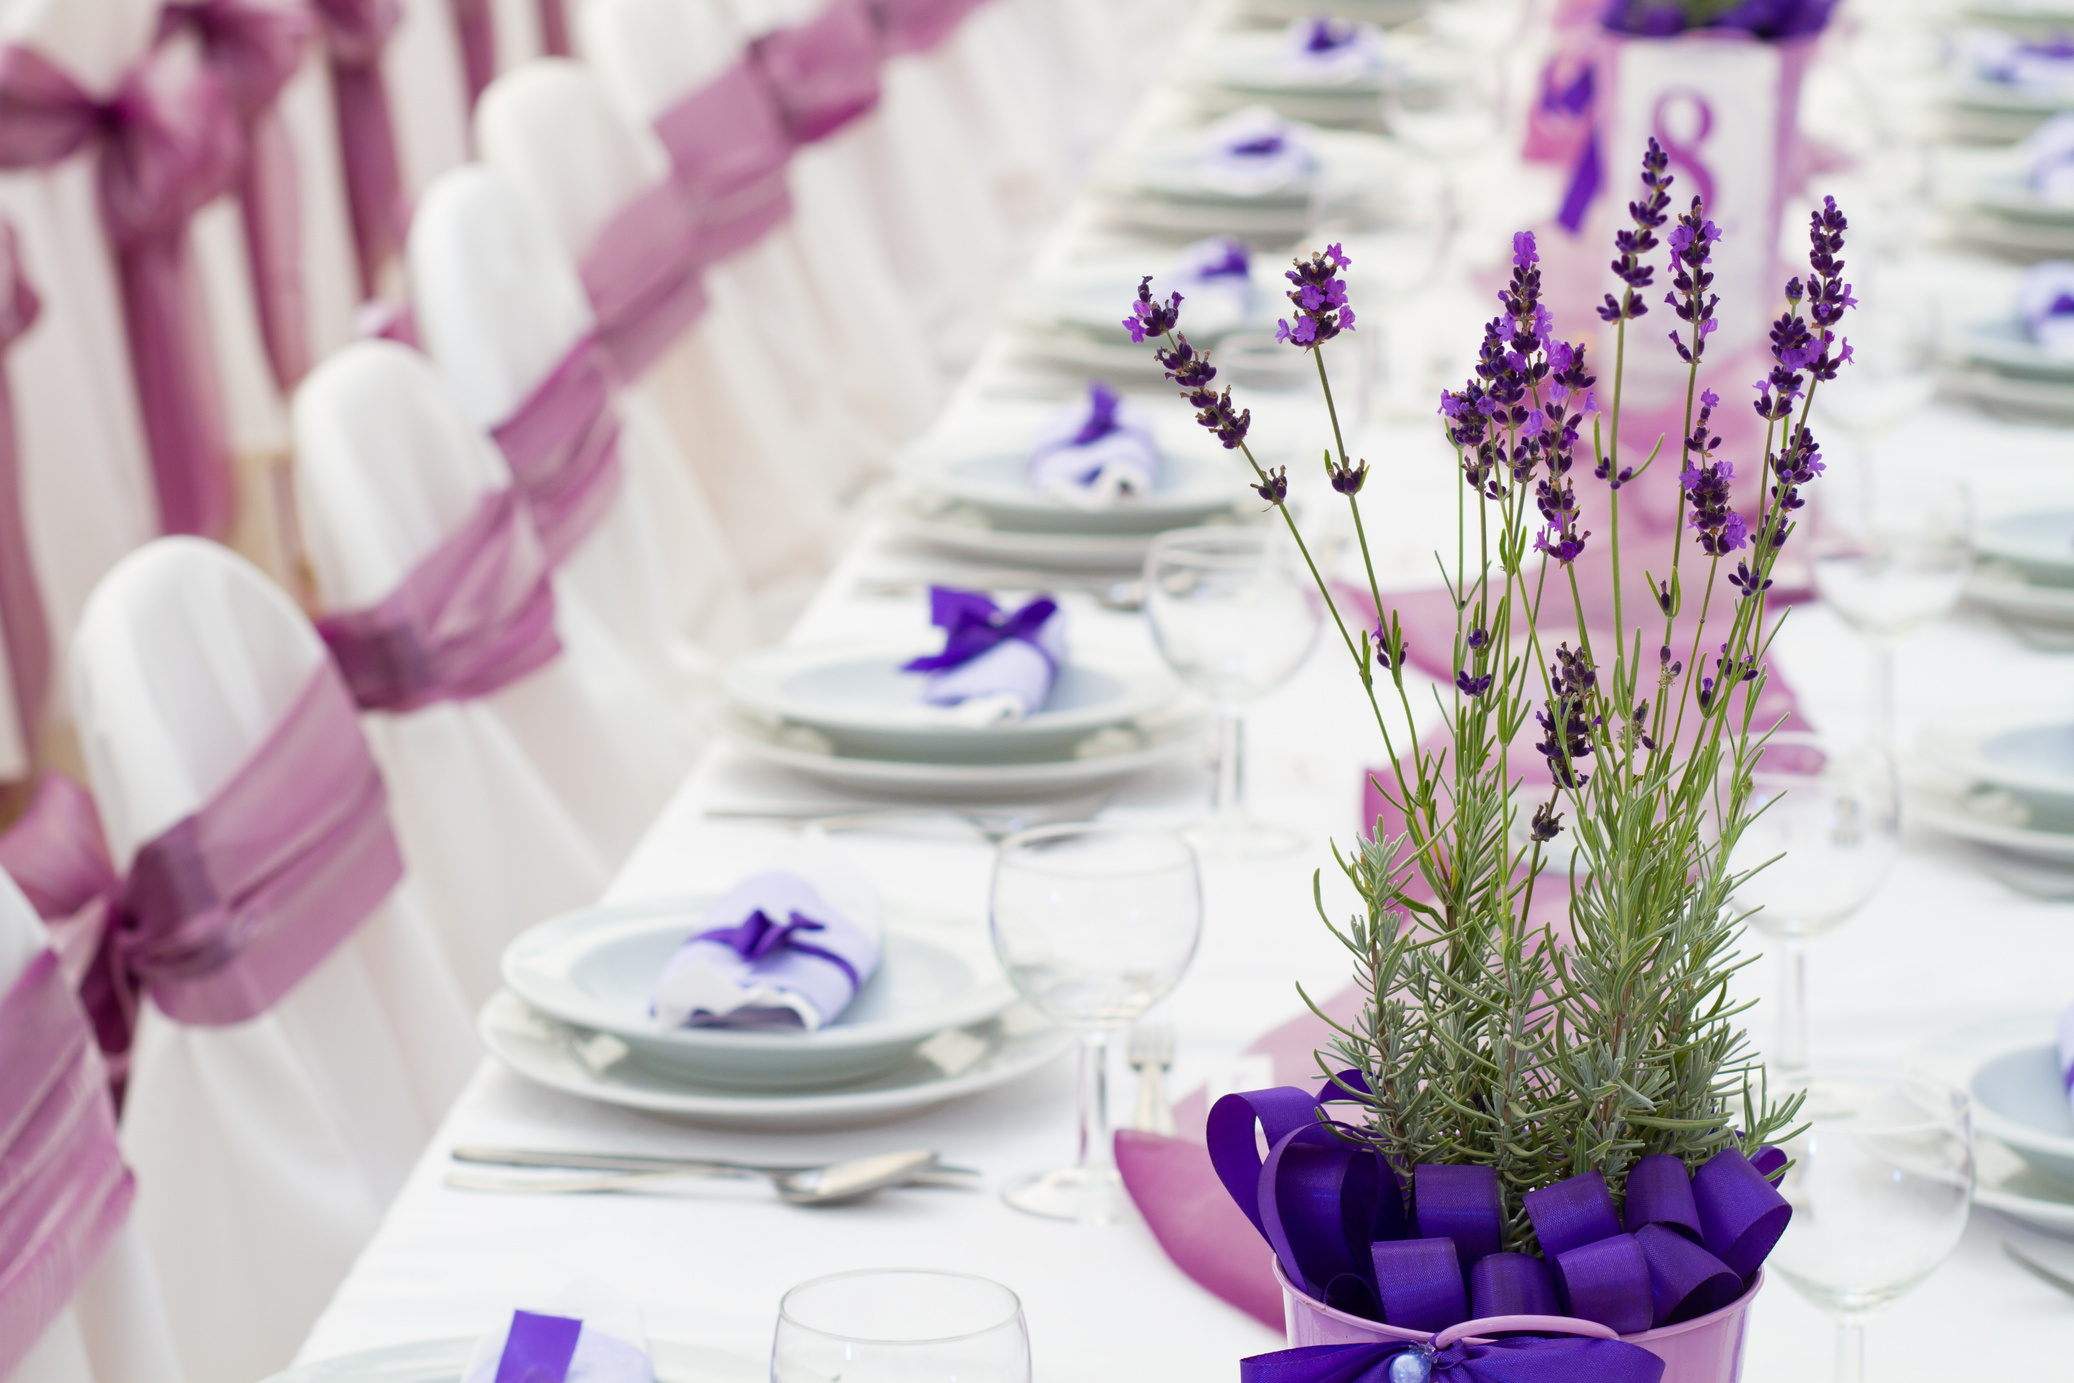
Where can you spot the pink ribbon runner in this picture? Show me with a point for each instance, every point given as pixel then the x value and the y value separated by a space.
pixel 476 26
pixel 914 26
pixel 23 622
pixel 167 143
pixel 228 909
pixel 475 615
pixel 355 33
pixel 63 1187
pixel 642 276
pixel 825 72
pixel 728 145
pixel 254 48
pixel 563 446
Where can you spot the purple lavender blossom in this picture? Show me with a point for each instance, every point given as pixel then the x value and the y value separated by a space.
pixel 1150 317
pixel 1566 728
pixel 1347 479
pixel 1274 488
pixel 1320 298
pixel 1647 215
pixel 1472 686
pixel 1719 529
pixel 1692 242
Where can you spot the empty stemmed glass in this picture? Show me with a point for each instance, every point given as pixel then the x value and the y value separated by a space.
pixel 1094 923
pixel 1881 1182
pixel 900 1326
pixel 1891 553
pixel 1443 103
pixel 1234 612
pixel 1826 827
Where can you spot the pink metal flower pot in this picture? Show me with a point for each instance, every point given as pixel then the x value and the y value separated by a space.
pixel 1708 1349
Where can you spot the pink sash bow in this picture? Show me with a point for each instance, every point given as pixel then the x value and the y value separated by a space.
pixel 475 615
pixel 728 144
pixel 915 26
pixel 229 908
pixel 825 72
pixel 254 47
pixel 22 620
pixel 63 1186
pixel 167 143
pixel 642 276
pixel 355 33
pixel 563 446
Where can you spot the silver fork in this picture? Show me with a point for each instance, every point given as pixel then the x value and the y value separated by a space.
pixel 994 826
pixel 1151 1054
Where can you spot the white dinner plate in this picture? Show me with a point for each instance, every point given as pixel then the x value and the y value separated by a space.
pixel 1110 753
pixel 1192 488
pixel 2038 544
pixel 1987 815
pixel 2040 615
pixel 2027 398
pixel 596 969
pixel 2005 346
pixel 441 1361
pixel 2002 1181
pixel 2020 1097
pixel 2031 754
pixel 596 1066
pixel 964 530
pixel 856 695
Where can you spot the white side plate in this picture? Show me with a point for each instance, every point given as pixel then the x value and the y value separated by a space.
pixel 441 1361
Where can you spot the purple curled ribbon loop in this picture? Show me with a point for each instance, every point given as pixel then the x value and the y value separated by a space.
pixel 1462 1204
pixel 1742 1214
pixel 758 937
pixel 1517 1359
pixel 973 624
pixel 1659 1192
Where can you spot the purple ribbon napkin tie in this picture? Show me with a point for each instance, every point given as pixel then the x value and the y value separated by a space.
pixel 563 445
pixel 772 952
pixel 1325 49
pixel 1254 151
pixel 1335 1214
pixel 1096 454
pixel 540 1347
pixel 990 654
pixel 2006 60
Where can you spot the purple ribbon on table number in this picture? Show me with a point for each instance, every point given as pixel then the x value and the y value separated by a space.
pixel 355 34
pixel 563 446
pixel 166 143
pixel 23 624
pixel 824 73
pixel 63 1187
pixel 476 614
pixel 226 910
pixel 254 47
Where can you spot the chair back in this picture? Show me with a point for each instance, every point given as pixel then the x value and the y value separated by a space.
pixel 652 53
pixel 553 129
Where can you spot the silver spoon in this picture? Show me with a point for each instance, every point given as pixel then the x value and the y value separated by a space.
pixel 834 1183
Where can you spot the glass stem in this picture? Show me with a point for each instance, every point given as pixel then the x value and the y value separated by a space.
pixel 1793 1010
pixel 1883 727
pixel 1230 789
pixel 1850 1350
pixel 1095 1154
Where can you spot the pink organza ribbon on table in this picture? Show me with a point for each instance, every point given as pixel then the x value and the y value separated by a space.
pixel 63 1187
pixel 825 72
pixel 229 908
pixel 254 47
pixel 23 623
pixel 475 615
pixel 167 144
pixel 563 446
pixel 355 34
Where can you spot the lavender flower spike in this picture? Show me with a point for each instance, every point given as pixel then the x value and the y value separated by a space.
pixel 1320 298
pixel 1150 317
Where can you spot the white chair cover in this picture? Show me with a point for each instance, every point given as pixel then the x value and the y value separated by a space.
pixel 552 129
pixel 265 1152
pixel 86 478
pixel 499 306
pixel 513 806
pixel 116 1330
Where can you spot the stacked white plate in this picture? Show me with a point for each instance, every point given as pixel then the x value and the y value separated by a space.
pixel 1997 364
pixel 2025 575
pixel 1383 13
pixel 2029 18
pixel 1989 112
pixel 936 1021
pixel 846 713
pixel 1247 68
pixel 2007 214
pixel 1157 184
pixel 2023 1128
pixel 2007 786
pixel 442 1361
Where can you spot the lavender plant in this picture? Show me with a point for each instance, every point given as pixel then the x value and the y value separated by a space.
pixel 1484 1036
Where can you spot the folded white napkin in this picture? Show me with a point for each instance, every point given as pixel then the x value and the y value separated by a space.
pixel 586 1333
pixel 1097 453
pixel 2049 156
pixel 2003 58
pixel 787 947
pixel 2045 302
pixel 1323 49
pixel 996 665
pixel 1214 277
pixel 1254 150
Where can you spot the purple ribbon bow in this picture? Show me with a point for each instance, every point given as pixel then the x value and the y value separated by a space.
pixel 973 624
pixel 563 446
pixel 824 73
pixel 230 907
pixel 758 937
pixel 355 33
pixel 63 1186
pixel 1519 1359
pixel 1335 1214
pixel 23 624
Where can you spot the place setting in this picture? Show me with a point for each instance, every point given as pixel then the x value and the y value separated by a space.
pixel 2022 203
pixel 2025 575
pixel 2015 1071
pixel 2003 85
pixel 1320 69
pixel 2021 360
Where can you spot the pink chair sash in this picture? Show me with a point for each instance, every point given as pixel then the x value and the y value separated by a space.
pixel 229 908
pixel 476 615
pixel 355 33
pixel 563 446
pixel 915 26
pixel 23 622
pixel 729 145
pixel 642 276
pixel 554 29
pixel 168 143
pixel 825 72
pixel 476 27
pixel 63 1187
pixel 254 47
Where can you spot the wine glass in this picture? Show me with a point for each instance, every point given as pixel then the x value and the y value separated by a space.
pixel 1094 924
pixel 1881 1182
pixel 1443 104
pixel 1825 827
pixel 1890 554
pixel 1234 611
pixel 900 1325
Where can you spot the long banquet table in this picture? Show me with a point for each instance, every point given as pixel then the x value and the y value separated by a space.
pixel 1941 946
